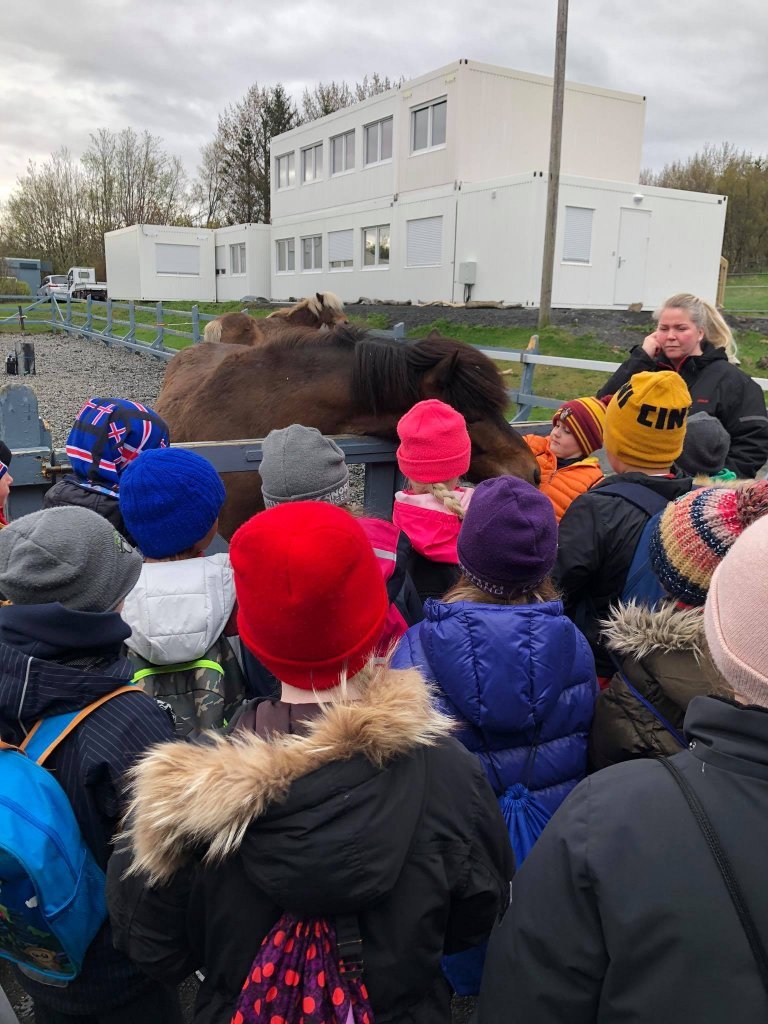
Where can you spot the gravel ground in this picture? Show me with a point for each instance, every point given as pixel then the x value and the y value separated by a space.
pixel 70 370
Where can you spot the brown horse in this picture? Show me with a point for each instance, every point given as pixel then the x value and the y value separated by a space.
pixel 323 309
pixel 341 382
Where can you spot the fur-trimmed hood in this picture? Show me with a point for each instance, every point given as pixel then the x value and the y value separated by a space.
pixel 269 801
pixel 636 631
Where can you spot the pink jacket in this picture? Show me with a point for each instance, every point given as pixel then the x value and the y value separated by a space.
pixel 431 528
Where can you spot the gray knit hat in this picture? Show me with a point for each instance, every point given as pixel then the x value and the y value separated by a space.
pixel 705 447
pixel 68 554
pixel 299 464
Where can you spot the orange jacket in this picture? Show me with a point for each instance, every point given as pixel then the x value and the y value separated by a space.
pixel 561 486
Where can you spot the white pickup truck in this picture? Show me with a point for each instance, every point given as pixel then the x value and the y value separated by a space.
pixel 82 284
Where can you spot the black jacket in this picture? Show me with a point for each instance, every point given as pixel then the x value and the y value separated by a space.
pixel 54 660
pixel 719 388
pixel 620 913
pixel 370 809
pixel 68 491
pixel 597 540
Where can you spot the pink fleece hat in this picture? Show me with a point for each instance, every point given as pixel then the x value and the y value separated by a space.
pixel 735 612
pixel 434 443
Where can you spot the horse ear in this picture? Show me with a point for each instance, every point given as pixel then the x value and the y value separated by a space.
pixel 320 298
pixel 436 381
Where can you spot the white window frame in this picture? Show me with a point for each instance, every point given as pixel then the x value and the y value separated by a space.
pixel 313 269
pixel 377 264
pixel 288 246
pixel 237 259
pixel 347 264
pixel 311 153
pixel 430 146
pixel 575 233
pixel 379 125
pixel 345 169
pixel 290 171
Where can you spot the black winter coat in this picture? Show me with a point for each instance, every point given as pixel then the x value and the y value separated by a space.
pixel 53 660
pixel 69 492
pixel 620 913
pixel 719 388
pixel 370 809
pixel 596 543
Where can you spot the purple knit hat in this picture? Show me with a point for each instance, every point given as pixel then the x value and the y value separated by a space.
pixel 508 540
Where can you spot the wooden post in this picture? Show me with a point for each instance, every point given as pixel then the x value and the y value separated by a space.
pixel 555 144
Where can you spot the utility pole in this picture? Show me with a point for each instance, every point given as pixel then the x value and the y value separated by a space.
pixel 555 145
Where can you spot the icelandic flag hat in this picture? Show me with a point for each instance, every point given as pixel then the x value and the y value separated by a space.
pixel 108 434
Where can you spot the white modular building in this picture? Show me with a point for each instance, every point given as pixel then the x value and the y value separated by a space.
pixel 436 191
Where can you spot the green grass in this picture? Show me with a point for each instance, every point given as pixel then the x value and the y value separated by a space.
pixel 748 293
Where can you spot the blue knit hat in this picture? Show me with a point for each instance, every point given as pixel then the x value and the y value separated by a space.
pixel 170 499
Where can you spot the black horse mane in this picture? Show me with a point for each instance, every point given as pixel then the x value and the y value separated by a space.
pixel 388 374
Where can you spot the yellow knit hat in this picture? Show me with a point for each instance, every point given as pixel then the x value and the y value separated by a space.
pixel 645 420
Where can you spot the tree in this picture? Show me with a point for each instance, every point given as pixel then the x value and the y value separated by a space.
pixel 743 178
pixel 326 98
pixel 208 190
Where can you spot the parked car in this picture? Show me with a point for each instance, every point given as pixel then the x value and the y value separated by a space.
pixel 54 284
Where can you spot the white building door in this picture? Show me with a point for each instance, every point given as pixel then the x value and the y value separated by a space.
pixel 631 257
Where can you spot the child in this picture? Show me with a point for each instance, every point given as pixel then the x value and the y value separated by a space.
pixel 705 450
pixel 178 611
pixel 65 572
pixel 563 457
pixel 507 662
pixel 434 454
pixel 346 798
pixel 107 435
pixel 643 436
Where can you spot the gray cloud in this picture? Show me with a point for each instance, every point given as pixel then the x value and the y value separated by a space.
pixel 172 67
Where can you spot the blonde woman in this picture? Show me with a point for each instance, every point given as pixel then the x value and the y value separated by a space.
pixel 434 454
pixel 693 339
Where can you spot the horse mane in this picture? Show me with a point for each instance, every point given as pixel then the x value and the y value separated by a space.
pixel 313 304
pixel 292 336
pixel 388 374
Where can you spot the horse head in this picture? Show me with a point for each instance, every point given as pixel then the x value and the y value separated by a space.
pixel 329 309
pixel 463 377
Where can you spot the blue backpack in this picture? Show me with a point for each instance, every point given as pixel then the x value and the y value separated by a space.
pixel 642 584
pixel 51 888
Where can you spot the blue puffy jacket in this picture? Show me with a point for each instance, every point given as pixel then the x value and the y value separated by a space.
pixel 510 674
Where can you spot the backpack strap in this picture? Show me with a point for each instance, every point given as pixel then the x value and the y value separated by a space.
pixel 47 733
pixel 157 670
pixel 724 867
pixel 642 497
pixel 349 943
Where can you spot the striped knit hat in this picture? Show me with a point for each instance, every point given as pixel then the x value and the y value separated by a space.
pixel 584 418
pixel 695 533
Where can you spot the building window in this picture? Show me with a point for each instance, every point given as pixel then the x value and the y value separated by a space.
pixel 343 153
pixel 340 250
pixel 577 235
pixel 177 259
pixel 376 246
pixel 237 258
pixel 312 253
pixel 286 255
pixel 286 171
pixel 428 125
pixel 378 141
pixel 424 242
pixel 312 163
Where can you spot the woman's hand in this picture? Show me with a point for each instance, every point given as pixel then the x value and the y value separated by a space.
pixel 652 346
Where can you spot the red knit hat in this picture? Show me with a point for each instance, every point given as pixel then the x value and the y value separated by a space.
pixel 585 418
pixel 311 598
pixel 434 443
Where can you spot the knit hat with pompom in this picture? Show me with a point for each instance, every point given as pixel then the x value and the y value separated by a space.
pixel 696 532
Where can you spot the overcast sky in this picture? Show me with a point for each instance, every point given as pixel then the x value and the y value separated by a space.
pixel 172 67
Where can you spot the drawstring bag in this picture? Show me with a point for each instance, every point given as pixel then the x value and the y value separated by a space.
pixel 525 819
pixel 307 971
